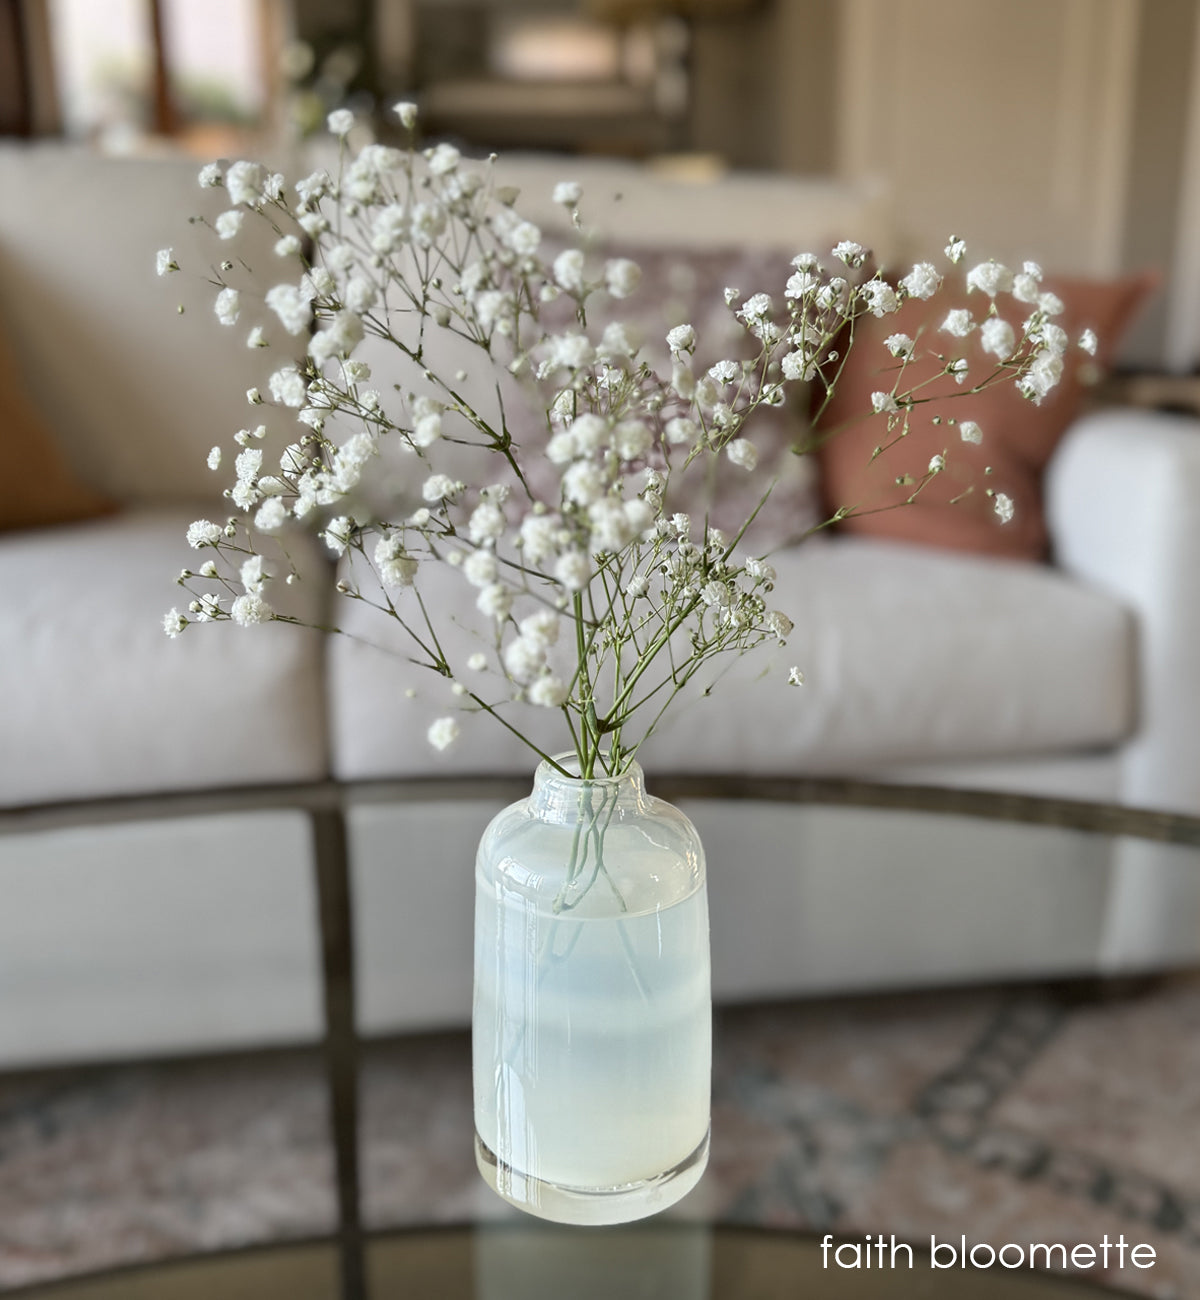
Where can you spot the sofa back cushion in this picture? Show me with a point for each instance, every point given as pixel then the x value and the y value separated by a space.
pixel 135 392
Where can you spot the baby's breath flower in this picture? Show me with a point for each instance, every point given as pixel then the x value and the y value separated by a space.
pixel 245 182
pixel 248 464
pixel 880 297
pixel 165 261
pixel 228 306
pixel 573 570
pixel 253 574
pixel 1088 342
pixel 289 387
pixel 800 283
pixel 795 677
pixel 1003 506
pixel 480 568
pixel 495 600
pixel 631 439
pixel 923 281
pixel 568 193
pixel 291 307
pixel 583 483
pixel 969 431
pixel 679 431
pixel 229 223
pixel 210 176
pixel 441 243
pixel 958 322
pixel 399 571
pixel 203 532
pixel 443 733
pixel 797 366
pixel 486 523
pixel 523 659
pixel 990 278
pixel 779 624
pixel 271 516
pixel 956 249
pixel 571 351
pixel 249 609
pixel 548 692
pixel 622 277
pixel 742 453
pixel 996 336
pixel 338 533
pixel 682 340
pixel 437 487
pixel 443 160
pixel 406 111
pixel 313 188
pixel 757 307
pixel 1027 285
pixel 568 270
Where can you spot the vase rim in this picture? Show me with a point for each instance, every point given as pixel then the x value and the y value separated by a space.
pixel 546 771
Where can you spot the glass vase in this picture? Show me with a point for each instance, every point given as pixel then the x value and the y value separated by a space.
pixel 592 1025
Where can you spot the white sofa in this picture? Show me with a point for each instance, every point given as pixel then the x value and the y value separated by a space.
pixel 133 928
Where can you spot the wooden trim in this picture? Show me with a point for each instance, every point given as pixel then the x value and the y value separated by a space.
pixel 1182 349
pixel 341 1043
pixel 330 796
pixel 165 118
pixel 16 99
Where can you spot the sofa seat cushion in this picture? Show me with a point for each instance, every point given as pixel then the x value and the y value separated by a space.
pixel 910 654
pixel 97 701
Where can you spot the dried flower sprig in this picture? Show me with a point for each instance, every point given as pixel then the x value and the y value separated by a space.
pixel 595 597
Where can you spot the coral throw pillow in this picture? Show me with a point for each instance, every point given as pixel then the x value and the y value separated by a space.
pixel 1018 437
pixel 37 487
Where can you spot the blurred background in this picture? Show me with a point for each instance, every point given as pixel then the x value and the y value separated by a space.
pixel 1066 130
pixel 1067 127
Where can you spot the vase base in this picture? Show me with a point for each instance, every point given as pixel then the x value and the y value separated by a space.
pixel 590 1206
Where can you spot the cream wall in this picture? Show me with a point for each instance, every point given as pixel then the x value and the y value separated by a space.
pixel 1064 130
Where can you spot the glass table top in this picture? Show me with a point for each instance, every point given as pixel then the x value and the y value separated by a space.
pixel 674 1261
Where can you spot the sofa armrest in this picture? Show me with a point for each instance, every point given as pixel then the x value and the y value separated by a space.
pixel 1123 502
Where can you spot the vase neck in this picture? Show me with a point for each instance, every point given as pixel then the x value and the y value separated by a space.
pixel 568 799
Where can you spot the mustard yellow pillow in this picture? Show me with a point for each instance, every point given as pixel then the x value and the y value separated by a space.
pixel 37 485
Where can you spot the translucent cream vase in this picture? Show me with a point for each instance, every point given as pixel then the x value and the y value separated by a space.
pixel 592 1029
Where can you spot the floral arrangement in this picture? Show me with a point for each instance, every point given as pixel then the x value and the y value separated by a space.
pixel 595 597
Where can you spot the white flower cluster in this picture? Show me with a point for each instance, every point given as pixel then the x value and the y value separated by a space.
pixel 594 599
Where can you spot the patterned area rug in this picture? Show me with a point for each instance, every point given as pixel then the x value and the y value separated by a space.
pixel 1057 1114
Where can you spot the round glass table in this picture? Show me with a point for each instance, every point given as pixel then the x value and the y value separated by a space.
pixel 948 1107
pixel 675 1261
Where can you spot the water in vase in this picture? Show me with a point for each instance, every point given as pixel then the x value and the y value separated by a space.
pixel 592 1052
